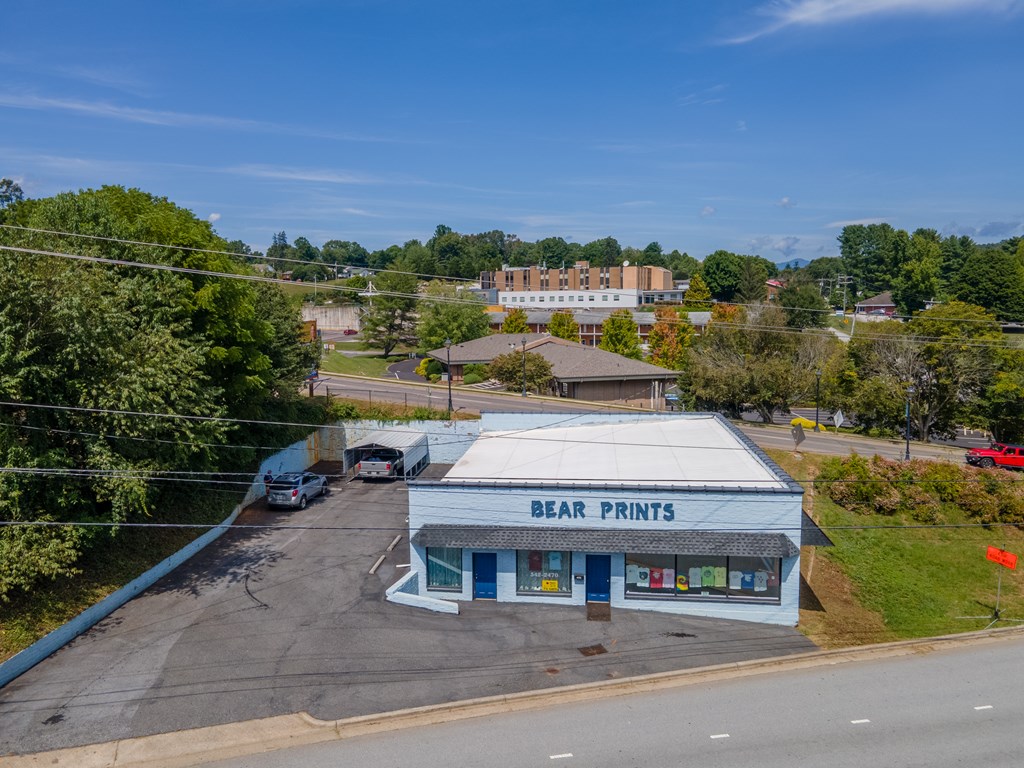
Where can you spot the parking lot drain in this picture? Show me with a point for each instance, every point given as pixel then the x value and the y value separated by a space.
pixel 593 650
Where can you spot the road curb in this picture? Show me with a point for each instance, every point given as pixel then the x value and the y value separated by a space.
pixel 221 742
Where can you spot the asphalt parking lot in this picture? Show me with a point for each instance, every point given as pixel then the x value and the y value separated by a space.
pixel 286 618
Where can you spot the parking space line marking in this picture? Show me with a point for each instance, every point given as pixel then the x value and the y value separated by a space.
pixel 394 543
pixel 984 706
pixel 377 564
pixel 559 757
pixel 720 736
pixel 858 722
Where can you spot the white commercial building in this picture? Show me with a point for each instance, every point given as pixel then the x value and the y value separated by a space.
pixel 606 298
pixel 679 513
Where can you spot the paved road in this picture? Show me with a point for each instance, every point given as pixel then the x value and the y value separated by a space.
pixel 278 620
pixel 476 401
pixel 951 707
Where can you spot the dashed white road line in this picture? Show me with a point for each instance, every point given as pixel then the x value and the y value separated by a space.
pixel 858 722
pixel 559 757
pixel 984 706
pixel 720 736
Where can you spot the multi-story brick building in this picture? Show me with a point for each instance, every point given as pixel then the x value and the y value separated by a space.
pixel 585 281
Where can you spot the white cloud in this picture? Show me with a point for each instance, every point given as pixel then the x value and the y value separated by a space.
pixel 360 212
pixel 706 211
pixel 702 97
pixel 784 245
pixel 782 14
pixel 166 118
pixel 786 202
pixel 286 173
pixel 854 222
pixel 213 218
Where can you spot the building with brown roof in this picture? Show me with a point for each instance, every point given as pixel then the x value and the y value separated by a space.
pixel 580 372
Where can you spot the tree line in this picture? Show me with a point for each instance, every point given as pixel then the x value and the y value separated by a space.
pixel 84 346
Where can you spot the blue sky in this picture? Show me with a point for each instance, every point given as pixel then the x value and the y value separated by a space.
pixel 759 127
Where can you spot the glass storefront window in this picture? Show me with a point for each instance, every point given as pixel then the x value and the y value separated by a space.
pixel 542 571
pixel 444 568
pixel 696 577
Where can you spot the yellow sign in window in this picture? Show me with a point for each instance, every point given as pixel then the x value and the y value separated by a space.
pixel 549 585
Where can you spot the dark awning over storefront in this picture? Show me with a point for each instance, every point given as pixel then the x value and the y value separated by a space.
pixel 735 543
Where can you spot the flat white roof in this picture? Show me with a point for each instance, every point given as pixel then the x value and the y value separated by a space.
pixel 684 452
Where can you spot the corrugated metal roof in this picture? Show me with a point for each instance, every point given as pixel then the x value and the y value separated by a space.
pixel 687 542
pixel 400 439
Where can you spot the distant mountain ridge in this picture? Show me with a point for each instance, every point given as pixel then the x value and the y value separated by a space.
pixel 792 264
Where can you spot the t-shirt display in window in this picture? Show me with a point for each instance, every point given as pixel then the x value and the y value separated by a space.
pixel 735 579
pixel 773 578
pixel 632 573
pixel 695 578
pixel 682 584
pixel 535 560
pixel 760 581
pixel 656 577
pixel 748 580
pixel 668 577
pixel 643 578
pixel 720 576
pixel 555 561
pixel 707 576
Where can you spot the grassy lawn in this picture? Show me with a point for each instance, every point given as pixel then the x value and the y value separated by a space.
pixel 887 580
pixel 363 365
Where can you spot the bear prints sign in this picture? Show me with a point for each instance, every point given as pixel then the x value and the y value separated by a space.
pixel 614 510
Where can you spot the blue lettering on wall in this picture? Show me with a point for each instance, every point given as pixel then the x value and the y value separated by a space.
pixel 646 511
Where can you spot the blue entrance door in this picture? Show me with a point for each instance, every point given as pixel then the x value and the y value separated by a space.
pixel 599 578
pixel 485 575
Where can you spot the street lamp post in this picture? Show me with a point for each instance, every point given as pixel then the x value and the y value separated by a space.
pixel 523 341
pixel 910 394
pixel 817 400
pixel 448 353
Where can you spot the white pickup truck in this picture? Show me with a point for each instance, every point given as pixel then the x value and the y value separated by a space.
pixel 385 462
pixel 394 454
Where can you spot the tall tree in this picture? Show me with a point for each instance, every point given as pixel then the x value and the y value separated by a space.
pixel 112 340
pixel 994 279
pixel 670 338
pixel 10 193
pixel 751 288
pixel 697 297
pixel 515 321
pixel 447 313
pixel 508 369
pixel 919 279
pixel 804 306
pixel 564 326
pixel 721 273
pixel 390 318
pixel 619 335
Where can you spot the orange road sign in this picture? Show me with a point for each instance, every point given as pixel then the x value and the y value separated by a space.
pixel 1002 557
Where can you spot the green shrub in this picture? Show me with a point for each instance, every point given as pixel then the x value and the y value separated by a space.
pixel 472 378
pixel 477 369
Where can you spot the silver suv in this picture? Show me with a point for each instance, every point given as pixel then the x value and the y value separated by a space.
pixel 295 489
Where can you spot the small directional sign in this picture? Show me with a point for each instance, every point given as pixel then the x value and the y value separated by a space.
pixel 1002 557
pixel 798 435
pixel 838 419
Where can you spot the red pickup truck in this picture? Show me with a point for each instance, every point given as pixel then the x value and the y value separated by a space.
pixel 998 455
